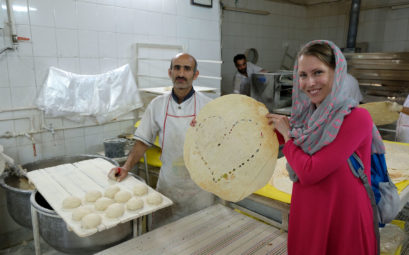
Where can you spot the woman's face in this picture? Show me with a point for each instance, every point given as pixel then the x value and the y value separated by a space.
pixel 316 78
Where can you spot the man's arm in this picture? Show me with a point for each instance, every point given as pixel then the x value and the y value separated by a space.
pixel 134 156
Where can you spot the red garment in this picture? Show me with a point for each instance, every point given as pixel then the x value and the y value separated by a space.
pixel 330 210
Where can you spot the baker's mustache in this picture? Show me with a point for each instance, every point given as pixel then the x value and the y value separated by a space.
pixel 181 77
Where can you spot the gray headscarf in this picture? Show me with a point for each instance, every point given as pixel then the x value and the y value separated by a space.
pixel 313 128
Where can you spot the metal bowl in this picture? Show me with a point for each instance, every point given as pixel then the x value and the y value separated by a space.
pixel 54 231
pixel 18 200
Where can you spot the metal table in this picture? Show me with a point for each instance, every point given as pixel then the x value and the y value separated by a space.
pixel 215 230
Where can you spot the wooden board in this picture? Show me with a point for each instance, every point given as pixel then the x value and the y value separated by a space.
pixel 164 90
pixel 57 183
pixel 214 230
pixel 378 55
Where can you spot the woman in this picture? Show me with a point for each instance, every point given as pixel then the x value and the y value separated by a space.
pixel 330 210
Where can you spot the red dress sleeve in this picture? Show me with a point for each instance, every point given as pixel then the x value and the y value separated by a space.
pixel 310 169
pixel 279 137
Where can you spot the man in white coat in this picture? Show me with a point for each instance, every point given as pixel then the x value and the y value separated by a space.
pixel 242 78
pixel 169 116
pixel 402 126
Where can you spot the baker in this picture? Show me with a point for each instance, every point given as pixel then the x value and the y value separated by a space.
pixel 242 78
pixel 169 116
pixel 402 126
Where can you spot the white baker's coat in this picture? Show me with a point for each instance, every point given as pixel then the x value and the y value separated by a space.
pixel 402 126
pixel 170 120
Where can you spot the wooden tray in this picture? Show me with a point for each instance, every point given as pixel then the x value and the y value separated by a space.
pixel 57 183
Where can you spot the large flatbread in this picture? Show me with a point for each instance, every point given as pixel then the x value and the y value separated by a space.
pixel 232 150
pixel 381 112
pixel 397 161
pixel 280 179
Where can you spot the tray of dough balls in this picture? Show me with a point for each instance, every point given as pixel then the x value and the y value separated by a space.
pixel 88 201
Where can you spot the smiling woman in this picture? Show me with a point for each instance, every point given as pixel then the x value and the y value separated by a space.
pixel 324 130
pixel 315 78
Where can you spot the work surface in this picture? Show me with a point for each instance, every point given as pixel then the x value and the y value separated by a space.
pixel 214 230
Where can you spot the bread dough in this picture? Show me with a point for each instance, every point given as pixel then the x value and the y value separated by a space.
pixel 92 195
pixel 397 161
pixel 115 210
pixel 381 113
pixel 154 199
pixel 122 196
pixel 71 202
pixel 91 220
pixel 134 204
pixel 111 191
pixel 102 203
pixel 80 212
pixel 140 189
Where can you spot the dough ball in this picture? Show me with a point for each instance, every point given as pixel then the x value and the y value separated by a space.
pixel 111 191
pixel 134 204
pixel 154 199
pixel 92 195
pixel 115 210
pixel 71 202
pixel 122 196
pixel 102 203
pixel 140 189
pixel 91 220
pixel 80 212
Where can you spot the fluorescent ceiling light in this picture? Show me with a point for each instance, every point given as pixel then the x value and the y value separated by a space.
pixel 19 8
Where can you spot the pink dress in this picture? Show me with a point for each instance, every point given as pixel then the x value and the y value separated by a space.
pixel 330 210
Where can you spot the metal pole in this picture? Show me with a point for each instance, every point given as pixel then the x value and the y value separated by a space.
pixel 36 231
pixel 145 159
pixel 353 23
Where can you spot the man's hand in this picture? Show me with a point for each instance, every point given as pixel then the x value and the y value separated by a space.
pixel 118 173
pixel 193 122
pixel 281 123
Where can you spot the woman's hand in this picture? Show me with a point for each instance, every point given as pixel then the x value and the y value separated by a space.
pixel 281 124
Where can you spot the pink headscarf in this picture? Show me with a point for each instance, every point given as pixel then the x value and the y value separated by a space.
pixel 313 128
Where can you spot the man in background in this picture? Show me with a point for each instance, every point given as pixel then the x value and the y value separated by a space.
pixel 242 78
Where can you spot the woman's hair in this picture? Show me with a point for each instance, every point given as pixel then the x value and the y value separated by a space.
pixel 322 51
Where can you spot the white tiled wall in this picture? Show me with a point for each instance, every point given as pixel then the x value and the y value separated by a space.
pixel 269 34
pixel 86 37
pixel 384 29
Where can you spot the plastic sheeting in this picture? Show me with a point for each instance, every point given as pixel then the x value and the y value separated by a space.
pixel 103 96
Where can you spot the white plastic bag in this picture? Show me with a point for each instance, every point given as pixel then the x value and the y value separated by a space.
pixel 103 96
pixel 392 237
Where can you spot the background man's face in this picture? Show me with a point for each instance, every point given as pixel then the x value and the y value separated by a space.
pixel 241 66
